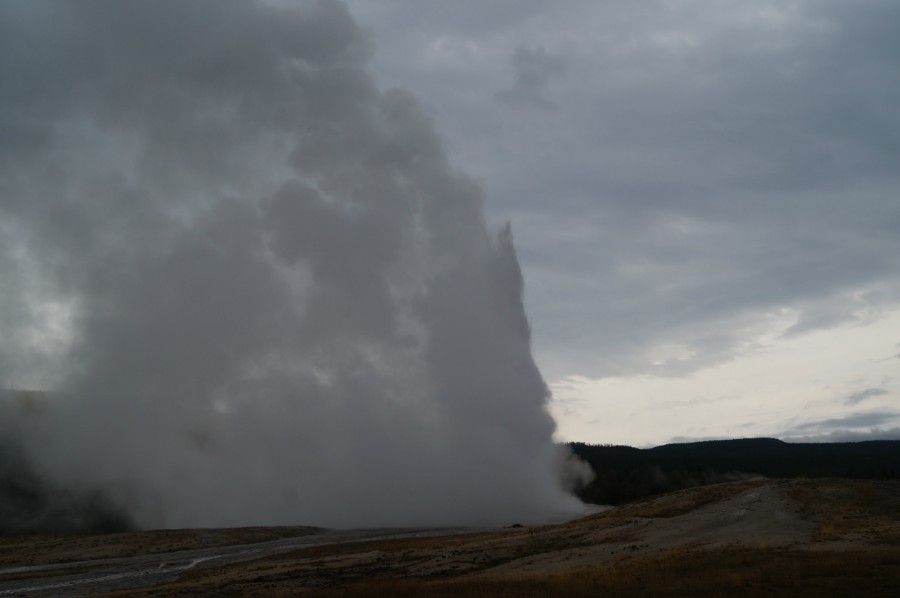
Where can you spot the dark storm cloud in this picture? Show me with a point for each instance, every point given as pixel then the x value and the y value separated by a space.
pixel 262 292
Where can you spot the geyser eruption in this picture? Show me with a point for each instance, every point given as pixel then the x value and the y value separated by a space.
pixel 259 291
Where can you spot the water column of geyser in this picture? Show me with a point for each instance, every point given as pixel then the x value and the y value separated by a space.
pixel 259 291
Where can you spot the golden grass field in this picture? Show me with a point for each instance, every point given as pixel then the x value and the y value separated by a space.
pixel 767 537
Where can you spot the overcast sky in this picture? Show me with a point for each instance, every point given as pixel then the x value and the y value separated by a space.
pixel 705 197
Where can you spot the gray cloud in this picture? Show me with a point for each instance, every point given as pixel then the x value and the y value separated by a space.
pixel 845 424
pixel 859 397
pixel 849 436
pixel 256 284
pixel 713 164
pixel 533 70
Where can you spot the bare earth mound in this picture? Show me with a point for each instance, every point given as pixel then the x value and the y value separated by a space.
pixel 789 537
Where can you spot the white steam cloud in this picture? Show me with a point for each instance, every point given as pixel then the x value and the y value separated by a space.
pixel 261 293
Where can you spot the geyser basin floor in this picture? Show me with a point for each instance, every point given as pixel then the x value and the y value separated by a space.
pixel 796 537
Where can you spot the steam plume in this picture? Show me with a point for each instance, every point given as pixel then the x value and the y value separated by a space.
pixel 260 289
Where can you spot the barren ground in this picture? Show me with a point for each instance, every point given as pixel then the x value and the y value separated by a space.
pixel 781 537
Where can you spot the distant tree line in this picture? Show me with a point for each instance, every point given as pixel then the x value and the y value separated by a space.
pixel 624 473
pixel 31 505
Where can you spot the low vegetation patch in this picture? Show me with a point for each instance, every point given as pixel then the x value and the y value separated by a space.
pixel 846 509
pixel 726 572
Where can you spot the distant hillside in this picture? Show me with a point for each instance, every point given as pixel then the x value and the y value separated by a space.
pixel 624 473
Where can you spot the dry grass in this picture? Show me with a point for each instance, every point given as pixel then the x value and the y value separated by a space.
pixel 392 545
pixel 681 502
pixel 726 572
pixel 852 509
pixel 682 544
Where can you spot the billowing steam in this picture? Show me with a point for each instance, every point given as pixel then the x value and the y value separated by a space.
pixel 253 283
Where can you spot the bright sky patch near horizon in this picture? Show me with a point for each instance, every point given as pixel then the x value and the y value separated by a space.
pixel 705 198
